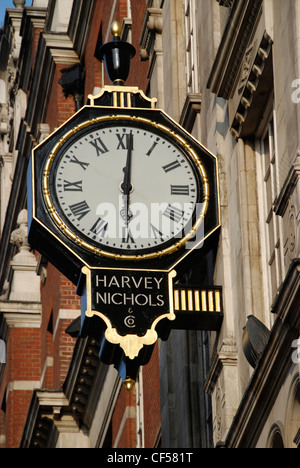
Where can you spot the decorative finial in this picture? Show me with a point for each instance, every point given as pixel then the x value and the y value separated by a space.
pixel 129 384
pixel 116 29
pixel 117 55
pixel 19 3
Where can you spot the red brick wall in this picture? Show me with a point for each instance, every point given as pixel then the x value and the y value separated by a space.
pixel 24 354
pixel 59 108
pixel 57 294
pixel 18 404
pixel 139 70
pixel 93 68
pixel 2 429
pixel 125 408
pixel 151 389
pixel 124 413
pixel 23 368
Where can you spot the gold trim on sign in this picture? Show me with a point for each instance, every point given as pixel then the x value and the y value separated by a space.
pixel 132 119
pixel 129 90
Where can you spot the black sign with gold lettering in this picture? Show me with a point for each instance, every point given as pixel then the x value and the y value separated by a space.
pixel 131 303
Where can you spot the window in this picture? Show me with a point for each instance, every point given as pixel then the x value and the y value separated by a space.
pixel 272 250
pixel 275 439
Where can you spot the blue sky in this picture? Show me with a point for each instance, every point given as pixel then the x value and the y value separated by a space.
pixel 8 4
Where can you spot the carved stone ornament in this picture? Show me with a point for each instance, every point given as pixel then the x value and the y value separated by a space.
pixel 153 24
pixel 19 236
pixel 249 82
pixel 25 284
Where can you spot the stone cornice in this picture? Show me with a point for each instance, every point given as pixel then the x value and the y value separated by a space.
pixel 21 314
pixel 76 404
pixel 46 407
pixel 79 25
pixel 191 108
pixel 153 24
pixel 233 45
pixel 252 94
pixel 227 356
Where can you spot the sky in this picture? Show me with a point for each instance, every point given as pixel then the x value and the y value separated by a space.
pixel 8 4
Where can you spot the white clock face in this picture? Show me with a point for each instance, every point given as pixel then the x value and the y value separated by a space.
pixel 126 188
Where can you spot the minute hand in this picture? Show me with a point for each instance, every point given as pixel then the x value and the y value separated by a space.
pixel 126 186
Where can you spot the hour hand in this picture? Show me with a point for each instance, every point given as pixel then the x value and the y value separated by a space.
pixel 126 213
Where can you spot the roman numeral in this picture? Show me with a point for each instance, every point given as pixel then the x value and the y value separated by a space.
pixel 73 186
pixel 156 232
pixel 125 141
pixel 82 164
pixel 80 209
pixel 99 146
pixel 170 167
pixel 152 148
pixel 180 190
pixel 100 228
pixel 127 236
pixel 173 213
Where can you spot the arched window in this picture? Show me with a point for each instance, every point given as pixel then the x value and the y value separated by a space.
pixel 275 438
pixel 293 415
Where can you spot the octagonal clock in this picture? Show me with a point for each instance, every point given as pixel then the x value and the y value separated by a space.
pixel 124 187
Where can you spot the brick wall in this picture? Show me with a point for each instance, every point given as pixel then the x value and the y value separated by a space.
pixel 59 108
pixel 93 68
pixel 58 299
pixel 151 389
pixel 23 370
pixel 124 427
pixel 124 420
pixel 2 428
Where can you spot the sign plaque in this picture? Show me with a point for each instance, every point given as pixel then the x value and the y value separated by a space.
pixel 131 303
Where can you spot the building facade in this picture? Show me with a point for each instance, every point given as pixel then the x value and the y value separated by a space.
pixel 228 72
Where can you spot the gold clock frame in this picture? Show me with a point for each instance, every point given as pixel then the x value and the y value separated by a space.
pixel 104 253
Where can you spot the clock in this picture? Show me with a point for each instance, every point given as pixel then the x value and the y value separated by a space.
pixel 126 187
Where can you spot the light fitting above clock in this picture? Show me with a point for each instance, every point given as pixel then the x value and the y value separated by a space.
pixel 117 56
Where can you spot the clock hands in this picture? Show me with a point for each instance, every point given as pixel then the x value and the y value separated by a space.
pixel 126 186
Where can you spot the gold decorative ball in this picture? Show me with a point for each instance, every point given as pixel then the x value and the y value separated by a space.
pixel 116 29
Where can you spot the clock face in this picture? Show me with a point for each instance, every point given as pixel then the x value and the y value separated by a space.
pixel 126 188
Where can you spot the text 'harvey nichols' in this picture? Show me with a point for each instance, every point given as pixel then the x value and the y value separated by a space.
pixel 130 291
